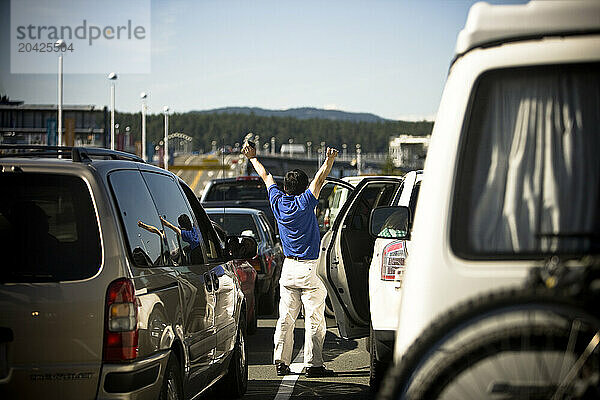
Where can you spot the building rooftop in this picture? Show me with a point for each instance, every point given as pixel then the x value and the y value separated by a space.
pixel 47 107
pixel 495 24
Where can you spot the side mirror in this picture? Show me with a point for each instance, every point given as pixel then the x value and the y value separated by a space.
pixel 390 222
pixel 241 247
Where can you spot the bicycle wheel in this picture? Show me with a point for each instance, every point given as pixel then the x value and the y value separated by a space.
pixel 510 345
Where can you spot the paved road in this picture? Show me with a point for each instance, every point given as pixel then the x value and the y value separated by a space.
pixel 348 358
pixel 197 179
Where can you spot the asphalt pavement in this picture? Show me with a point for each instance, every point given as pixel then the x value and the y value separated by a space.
pixel 348 358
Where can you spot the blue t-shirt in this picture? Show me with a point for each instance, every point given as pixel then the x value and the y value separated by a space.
pixel 298 227
pixel 191 237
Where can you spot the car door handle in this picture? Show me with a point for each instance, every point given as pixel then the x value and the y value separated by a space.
pixel 215 280
pixel 208 282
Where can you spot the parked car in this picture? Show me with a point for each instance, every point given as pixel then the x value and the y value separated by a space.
pixel 240 192
pixel 269 259
pixel 113 282
pixel 247 276
pixel 512 172
pixel 386 274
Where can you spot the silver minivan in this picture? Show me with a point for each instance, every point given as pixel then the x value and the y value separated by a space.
pixel 113 282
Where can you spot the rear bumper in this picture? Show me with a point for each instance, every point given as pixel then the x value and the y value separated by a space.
pixel 384 345
pixel 141 379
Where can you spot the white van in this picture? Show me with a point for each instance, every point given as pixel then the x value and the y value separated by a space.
pixel 513 169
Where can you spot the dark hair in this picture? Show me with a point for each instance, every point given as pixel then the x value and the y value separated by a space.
pixel 184 222
pixel 295 182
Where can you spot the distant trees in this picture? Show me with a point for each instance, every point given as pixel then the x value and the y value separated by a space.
pixel 230 128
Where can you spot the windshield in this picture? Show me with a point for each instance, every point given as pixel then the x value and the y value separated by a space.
pixel 238 190
pixel 236 224
pixel 48 229
pixel 529 180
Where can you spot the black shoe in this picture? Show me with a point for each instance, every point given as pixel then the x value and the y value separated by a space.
pixel 318 372
pixel 282 369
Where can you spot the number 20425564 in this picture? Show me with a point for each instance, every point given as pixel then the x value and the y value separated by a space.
pixel 44 48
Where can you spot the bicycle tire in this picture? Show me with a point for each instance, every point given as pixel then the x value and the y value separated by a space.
pixel 404 377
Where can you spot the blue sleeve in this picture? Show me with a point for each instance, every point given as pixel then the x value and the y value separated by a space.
pixel 190 236
pixel 307 200
pixel 274 194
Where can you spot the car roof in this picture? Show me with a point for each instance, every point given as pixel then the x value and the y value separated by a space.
pixel 489 25
pixel 355 180
pixel 74 158
pixel 232 210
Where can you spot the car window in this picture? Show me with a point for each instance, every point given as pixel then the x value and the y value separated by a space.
pixel 210 240
pixel 262 220
pixel 251 189
pixel 48 229
pixel 372 196
pixel 331 199
pixel 528 179
pixel 237 224
pixel 179 227
pixel 412 205
pixel 135 204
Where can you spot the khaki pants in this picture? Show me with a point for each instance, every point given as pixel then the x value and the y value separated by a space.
pixel 299 285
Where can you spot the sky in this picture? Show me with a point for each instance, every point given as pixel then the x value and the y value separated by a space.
pixel 389 58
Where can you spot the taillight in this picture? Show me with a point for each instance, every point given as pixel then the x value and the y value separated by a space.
pixel 121 332
pixel 392 265
pixel 255 262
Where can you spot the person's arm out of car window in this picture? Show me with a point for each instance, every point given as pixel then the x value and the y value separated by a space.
pixel 150 228
pixel 250 153
pixel 171 226
pixel 317 183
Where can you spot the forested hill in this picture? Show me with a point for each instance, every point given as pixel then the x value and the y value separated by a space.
pixel 300 113
pixel 228 128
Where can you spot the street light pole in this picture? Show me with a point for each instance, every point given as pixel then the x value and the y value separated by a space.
pixel 290 141
pixel 143 96
pixel 60 43
pixel 166 140
pixel 309 148
pixel 112 77
pixel 60 97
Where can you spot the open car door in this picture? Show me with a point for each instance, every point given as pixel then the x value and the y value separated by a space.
pixel 347 249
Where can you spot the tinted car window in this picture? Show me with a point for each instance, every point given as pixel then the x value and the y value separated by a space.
pixel 174 213
pixel 244 190
pixel 250 189
pixel 135 204
pixel 530 172
pixel 210 240
pixel 373 196
pixel 48 229
pixel 270 237
pixel 237 224
pixel 412 205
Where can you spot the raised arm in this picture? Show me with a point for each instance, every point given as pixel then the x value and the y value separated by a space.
pixel 171 226
pixel 317 183
pixel 250 153
pixel 150 228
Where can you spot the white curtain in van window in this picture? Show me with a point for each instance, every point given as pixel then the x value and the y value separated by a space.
pixel 537 169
